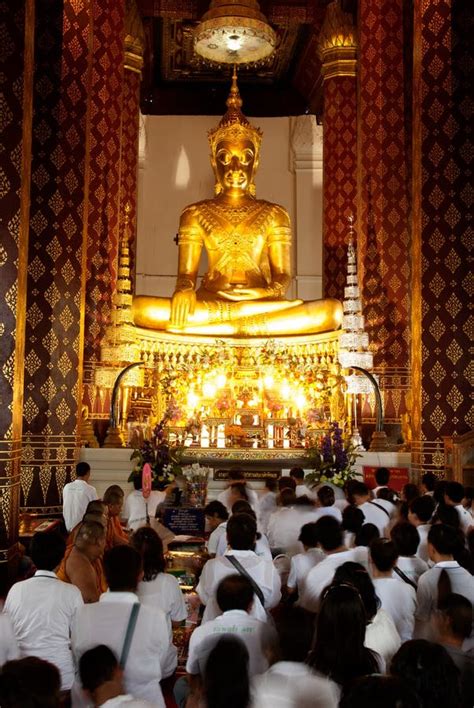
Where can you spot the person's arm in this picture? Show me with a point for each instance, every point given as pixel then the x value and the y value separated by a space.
pixel 291 583
pixel 82 574
pixel 273 595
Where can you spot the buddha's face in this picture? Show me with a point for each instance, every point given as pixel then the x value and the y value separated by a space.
pixel 235 162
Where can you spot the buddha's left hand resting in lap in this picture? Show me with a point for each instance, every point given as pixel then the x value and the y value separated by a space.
pixel 248 243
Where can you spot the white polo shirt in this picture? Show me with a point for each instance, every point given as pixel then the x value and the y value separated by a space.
pixel 462 583
pixel 76 497
pixel 135 508
pixel 422 550
pixel 382 637
pixel 399 601
pixel 105 622
pixel 284 527
pixel 412 566
pixel 126 701
pixel 465 518
pixel 301 490
pixel 262 571
pixel 290 684
pixel 262 548
pixel 375 515
pixel 42 610
pixel 301 564
pixel 321 576
pixel 239 624
pixel 214 538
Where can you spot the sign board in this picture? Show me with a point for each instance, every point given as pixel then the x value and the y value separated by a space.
pixel 399 476
pixel 184 521
pixel 221 475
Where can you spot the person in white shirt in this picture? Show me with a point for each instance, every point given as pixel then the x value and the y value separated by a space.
pixel 428 483
pixel 373 512
pixel 382 478
pixel 262 547
pixel 216 518
pixel 77 495
pixel 363 538
pixel 267 504
pixel 301 490
pixel 42 609
pixel 453 496
pixel 398 598
pixel 158 588
pixel 137 509
pixel 302 563
pixel 352 521
pixel 241 537
pixel 442 543
pixel 284 525
pixel 380 633
pixel 229 495
pixel 106 622
pixel 330 539
pixel 325 503
pixel 407 539
pixel 102 679
pixel 9 648
pixel 420 513
pixel 290 682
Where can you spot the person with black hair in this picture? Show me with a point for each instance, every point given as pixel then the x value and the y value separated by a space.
pixel 42 608
pixel 352 520
pixel 30 682
pixel 374 513
pixel 427 484
pixel 407 539
pixel 428 669
pixel 102 678
pixel 453 626
pixel 302 563
pixel 76 496
pixel 382 478
pixel 301 490
pixel 380 633
pixel 216 519
pixel 330 539
pixel 339 652
pixel 442 544
pixel 241 557
pixel 453 496
pixel 325 503
pixel 226 677
pixel 420 513
pixel 290 681
pixel 119 614
pixel 397 596
pixel 262 547
pixel 377 691
pixel 363 538
pixel 448 515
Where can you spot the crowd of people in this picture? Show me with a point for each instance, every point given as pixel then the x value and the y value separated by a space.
pixel 310 597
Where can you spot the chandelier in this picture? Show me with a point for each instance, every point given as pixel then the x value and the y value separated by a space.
pixel 234 32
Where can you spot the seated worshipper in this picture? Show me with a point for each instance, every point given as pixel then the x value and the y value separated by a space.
pixel 82 563
pixel 325 503
pixel 9 648
pixel 382 478
pixel 116 534
pixel 216 518
pixel 290 681
pixel 286 483
pixel 137 509
pixel 407 539
pixel 329 534
pixel 427 484
pixel 267 503
pixel 241 537
pixel 376 691
pixel 262 548
pixel 158 588
pixel 388 499
pixel 97 510
pixel 380 633
pixel 448 515
pixel 301 490
pixel 352 521
pixel 363 538
pixel 102 680
pixel 398 596
pixel 285 524
pixel 109 620
pixel 42 608
pixel 453 625
pixel 453 496
pixel 339 651
pixel 419 515
pixel 373 512
pixel 76 496
pixel 30 683
pixel 442 543
pixel 302 563
pixel 226 678
pixel 428 669
pixel 228 496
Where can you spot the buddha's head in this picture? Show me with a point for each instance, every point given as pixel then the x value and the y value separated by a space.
pixel 235 147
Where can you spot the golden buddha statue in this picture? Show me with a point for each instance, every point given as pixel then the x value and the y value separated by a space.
pixel 248 243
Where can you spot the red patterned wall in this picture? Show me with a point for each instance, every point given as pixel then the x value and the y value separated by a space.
pixel 383 199
pixel 443 245
pixel 339 188
pixel 53 329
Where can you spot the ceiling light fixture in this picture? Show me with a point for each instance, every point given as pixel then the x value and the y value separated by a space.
pixel 234 33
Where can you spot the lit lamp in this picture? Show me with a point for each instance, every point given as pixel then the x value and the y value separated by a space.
pixel 234 33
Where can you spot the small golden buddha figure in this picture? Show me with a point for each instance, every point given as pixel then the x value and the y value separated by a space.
pixel 248 243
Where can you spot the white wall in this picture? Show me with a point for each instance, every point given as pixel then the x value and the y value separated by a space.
pixel 174 171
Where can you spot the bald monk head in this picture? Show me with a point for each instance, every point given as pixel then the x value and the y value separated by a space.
pixel 90 539
pixel 113 497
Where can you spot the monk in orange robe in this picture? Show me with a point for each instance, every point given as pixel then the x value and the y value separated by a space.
pixel 116 534
pixel 82 564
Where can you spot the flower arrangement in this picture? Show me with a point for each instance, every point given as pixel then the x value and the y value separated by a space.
pixel 332 458
pixel 196 478
pixel 163 459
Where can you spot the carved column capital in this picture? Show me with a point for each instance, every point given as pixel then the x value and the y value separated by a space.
pixel 337 45
pixel 134 45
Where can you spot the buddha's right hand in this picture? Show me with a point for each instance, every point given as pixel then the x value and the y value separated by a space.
pixel 183 304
